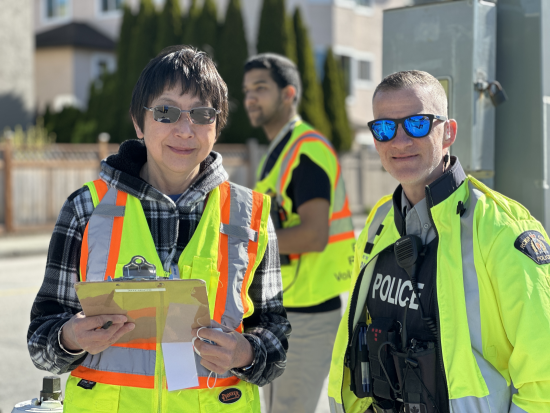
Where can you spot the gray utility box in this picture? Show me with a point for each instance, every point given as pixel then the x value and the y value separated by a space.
pixel 455 42
pixel 523 122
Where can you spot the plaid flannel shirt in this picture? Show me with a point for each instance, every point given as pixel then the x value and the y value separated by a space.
pixel 172 226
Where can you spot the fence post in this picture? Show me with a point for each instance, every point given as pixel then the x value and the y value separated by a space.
pixel 8 192
pixel 103 142
pixel 253 160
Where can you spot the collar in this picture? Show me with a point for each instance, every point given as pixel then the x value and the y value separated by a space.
pixel 282 133
pixel 439 190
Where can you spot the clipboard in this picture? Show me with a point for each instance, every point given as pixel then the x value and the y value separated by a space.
pixel 164 312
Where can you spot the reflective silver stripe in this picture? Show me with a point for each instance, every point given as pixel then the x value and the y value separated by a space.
pixel 100 228
pixel 339 195
pixel 377 220
pixel 243 233
pixel 499 396
pixel 109 210
pixel 241 216
pixel 340 226
pixel 335 407
pixel 123 360
pixel 204 372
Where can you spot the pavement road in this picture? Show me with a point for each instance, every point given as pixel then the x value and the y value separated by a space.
pixel 20 279
pixel 20 380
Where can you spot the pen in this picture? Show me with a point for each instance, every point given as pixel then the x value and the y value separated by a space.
pixel 105 326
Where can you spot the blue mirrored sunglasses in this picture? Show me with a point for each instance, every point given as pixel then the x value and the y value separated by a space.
pixel 416 126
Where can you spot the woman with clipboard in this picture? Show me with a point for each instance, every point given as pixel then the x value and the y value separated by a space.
pixel 165 197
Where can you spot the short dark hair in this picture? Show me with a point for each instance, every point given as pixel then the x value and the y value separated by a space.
pixel 283 70
pixel 411 78
pixel 194 70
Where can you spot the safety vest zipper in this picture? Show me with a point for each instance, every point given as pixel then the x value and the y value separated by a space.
pixel 430 204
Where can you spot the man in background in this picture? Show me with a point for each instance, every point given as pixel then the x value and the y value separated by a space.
pixel 315 233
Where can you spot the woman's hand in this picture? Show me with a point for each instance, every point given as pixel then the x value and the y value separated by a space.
pixel 232 350
pixel 86 333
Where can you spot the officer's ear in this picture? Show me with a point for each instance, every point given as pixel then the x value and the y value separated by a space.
pixel 449 134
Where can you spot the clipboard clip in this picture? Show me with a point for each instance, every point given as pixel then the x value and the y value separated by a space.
pixel 138 269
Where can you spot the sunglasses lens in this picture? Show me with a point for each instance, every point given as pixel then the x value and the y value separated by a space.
pixel 203 116
pixel 166 114
pixel 417 126
pixel 383 130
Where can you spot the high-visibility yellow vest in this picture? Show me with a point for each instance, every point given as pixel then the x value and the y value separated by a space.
pixel 313 277
pixel 490 315
pixel 225 250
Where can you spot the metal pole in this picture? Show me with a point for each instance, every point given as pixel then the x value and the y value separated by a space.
pixel 103 141
pixel 8 191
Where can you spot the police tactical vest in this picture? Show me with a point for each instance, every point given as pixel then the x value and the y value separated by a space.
pixel 314 277
pixel 225 250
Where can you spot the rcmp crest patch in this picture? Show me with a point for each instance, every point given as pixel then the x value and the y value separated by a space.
pixel 534 245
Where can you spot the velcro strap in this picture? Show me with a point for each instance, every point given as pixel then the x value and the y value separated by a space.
pixel 379 230
pixel 236 231
pixel 109 210
pixel 369 247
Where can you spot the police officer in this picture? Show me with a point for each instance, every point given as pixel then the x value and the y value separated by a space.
pixel 451 277
pixel 302 174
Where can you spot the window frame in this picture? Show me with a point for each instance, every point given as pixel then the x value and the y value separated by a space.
pixel 361 9
pixel 47 20
pixel 109 13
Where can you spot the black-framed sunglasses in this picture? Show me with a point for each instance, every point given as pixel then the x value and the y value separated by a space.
pixel 416 126
pixel 171 114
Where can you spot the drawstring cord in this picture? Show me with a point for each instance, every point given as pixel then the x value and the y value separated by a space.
pixel 198 352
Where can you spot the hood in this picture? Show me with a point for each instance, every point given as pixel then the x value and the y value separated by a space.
pixel 122 172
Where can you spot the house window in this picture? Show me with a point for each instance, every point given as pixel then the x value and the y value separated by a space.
pixel 110 5
pixel 366 3
pixel 345 64
pixel 364 70
pixel 57 9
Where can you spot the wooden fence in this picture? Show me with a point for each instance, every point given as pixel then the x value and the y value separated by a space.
pixel 35 182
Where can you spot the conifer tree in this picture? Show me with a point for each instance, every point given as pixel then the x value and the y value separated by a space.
pixel 276 34
pixel 142 49
pixel 123 90
pixel 170 29
pixel 189 32
pixel 207 28
pixel 231 55
pixel 335 104
pixel 311 106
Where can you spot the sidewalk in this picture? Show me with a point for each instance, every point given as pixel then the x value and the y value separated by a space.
pixel 23 245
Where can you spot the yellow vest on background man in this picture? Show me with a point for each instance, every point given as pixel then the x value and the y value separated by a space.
pixel 225 250
pixel 493 325
pixel 314 277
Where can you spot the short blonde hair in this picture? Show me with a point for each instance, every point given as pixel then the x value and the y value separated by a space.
pixel 410 78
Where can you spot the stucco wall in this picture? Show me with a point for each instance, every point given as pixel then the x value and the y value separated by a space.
pixel 54 74
pixel 16 63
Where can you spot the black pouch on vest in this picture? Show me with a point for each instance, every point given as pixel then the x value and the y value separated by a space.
pixel 417 378
pixel 382 336
pixel 360 376
pixel 278 216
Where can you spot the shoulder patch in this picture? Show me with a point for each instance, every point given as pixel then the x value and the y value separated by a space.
pixel 534 245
